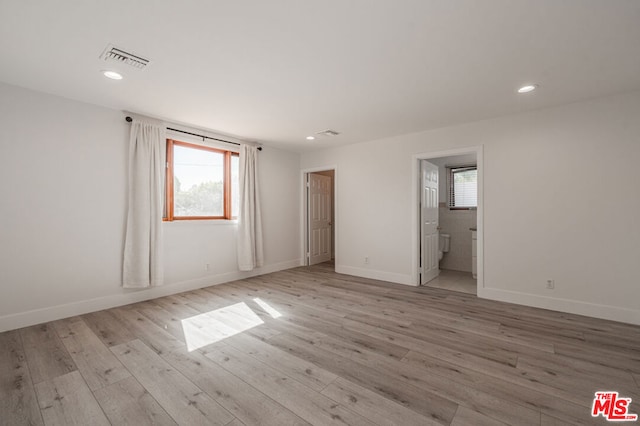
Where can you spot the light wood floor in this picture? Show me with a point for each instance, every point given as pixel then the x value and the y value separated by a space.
pixel 309 346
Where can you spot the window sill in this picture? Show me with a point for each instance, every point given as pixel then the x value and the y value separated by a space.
pixel 202 222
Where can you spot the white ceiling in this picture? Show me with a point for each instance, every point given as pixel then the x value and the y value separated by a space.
pixel 276 71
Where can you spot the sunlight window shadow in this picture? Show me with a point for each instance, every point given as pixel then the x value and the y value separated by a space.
pixel 211 327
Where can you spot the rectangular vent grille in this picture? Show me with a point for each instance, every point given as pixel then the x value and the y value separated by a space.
pixel 118 55
pixel 329 133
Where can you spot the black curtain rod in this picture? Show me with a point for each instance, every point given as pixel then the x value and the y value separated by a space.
pixel 129 120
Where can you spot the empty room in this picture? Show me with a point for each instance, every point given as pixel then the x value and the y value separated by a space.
pixel 363 212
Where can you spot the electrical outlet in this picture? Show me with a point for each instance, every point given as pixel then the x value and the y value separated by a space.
pixel 551 284
pixel 366 260
pixel 207 267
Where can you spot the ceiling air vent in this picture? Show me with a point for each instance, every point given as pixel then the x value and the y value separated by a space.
pixel 118 55
pixel 328 132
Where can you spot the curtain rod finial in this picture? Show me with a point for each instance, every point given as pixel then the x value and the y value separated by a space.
pixel 129 119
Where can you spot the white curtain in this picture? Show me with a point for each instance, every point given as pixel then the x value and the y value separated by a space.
pixel 250 253
pixel 142 265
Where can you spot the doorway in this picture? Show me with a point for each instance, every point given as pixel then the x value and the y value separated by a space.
pixel 319 213
pixel 455 221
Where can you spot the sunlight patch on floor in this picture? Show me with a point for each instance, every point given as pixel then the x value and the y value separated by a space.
pixel 211 327
pixel 267 308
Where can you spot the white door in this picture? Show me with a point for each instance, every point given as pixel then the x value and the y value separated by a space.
pixel 429 222
pixel 319 214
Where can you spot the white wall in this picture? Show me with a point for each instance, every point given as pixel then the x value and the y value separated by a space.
pixel 63 167
pixel 552 207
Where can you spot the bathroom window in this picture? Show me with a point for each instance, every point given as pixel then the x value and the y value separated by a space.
pixel 463 187
pixel 202 182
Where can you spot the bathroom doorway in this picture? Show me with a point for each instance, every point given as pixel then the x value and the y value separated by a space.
pixel 456 247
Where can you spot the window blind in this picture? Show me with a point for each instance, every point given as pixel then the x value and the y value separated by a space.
pixel 463 186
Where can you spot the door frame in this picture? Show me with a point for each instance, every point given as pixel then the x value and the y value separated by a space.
pixel 304 225
pixel 415 208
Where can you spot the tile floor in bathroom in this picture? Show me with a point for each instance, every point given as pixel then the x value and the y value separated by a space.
pixel 459 281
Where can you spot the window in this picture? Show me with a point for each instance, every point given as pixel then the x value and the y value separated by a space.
pixel 202 182
pixel 463 187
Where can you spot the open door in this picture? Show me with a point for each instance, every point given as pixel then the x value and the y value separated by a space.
pixel 319 218
pixel 429 233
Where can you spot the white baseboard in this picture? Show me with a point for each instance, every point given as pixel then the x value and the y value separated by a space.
pixel 594 310
pixel 37 316
pixel 375 275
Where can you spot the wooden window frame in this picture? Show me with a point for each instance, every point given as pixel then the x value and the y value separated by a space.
pixel 169 215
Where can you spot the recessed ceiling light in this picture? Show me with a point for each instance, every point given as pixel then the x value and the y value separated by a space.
pixel 528 88
pixel 310 138
pixel 112 75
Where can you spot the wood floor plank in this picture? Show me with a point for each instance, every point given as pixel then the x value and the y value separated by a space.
pixel 306 403
pixel 614 340
pixel 575 379
pixel 468 417
pixel 546 420
pixel 46 355
pixel 176 307
pixel 238 317
pixel 182 400
pixel 508 375
pixel 242 400
pixel 345 339
pixel 487 350
pixel 394 388
pixel 436 333
pixel 108 328
pixel 558 361
pixel 188 325
pixel 18 403
pixel 460 394
pixel 163 319
pixel 207 301
pixel 601 356
pixel 502 336
pixel 624 359
pixel 398 310
pixel 67 400
pixel 545 399
pixel 352 340
pixel 98 366
pixel 214 326
pixel 304 372
pixel 144 329
pixel 373 406
pixel 484 402
pixel 128 403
